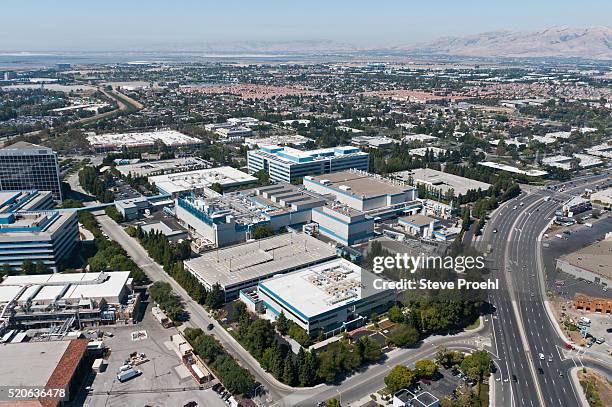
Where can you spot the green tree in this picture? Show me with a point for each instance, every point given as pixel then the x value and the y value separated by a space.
pixel 404 335
pixel 40 267
pixel 395 314
pixel 369 349
pixel 281 323
pixel 262 177
pixel 426 368
pixel 262 231
pixel 477 365
pixel 305 367
pixel 27 267
pixel 218 188
pixel 215 298
pixel 288 371
pixel 333 402
pixel 400 377
pixel 7 270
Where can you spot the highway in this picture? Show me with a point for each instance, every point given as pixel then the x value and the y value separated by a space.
pixel 522 326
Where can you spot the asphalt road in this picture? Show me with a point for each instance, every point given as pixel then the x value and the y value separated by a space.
pixel 522 327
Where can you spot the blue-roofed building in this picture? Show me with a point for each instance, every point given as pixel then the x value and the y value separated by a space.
pixel 288 164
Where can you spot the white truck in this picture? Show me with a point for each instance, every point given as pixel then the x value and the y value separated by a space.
pixel 128 374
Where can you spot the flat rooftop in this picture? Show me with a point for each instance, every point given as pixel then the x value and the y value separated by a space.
pixel 418 220
pixel 293 156
pixel 442 180
pixel 516 170
pixel 30 363
pixel 118 140
pixel 69 286
pixel 361 183
pixel 148 168
pixel 259 259
pixel 22 226
pixel 189 180
pixel 12 201
pixel 319 288
pixel 594 258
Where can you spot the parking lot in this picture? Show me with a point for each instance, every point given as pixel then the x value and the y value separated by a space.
pixel 164 381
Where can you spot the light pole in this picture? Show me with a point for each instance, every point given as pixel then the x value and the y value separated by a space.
pixel 340 396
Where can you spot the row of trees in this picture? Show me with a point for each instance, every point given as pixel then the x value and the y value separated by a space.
pixel 107 254
pixel 162 294
pixel 97 185
pixel 171 256
pixel 258 336
pixel 235 378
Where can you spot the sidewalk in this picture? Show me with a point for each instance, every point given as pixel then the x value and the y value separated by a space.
pixel 578 386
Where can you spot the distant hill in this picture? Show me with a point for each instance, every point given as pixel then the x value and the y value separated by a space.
pixel 588 43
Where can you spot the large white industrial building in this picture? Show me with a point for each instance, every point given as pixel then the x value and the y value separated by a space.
pixel 73 298
pixel 117 141
pixel 324 297
pixel 241 266
pixel 199 180
pixel 370 193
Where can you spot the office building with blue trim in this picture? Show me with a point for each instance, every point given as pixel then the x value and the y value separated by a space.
pixel 288 164
pixel 324 297
pixel 42 237
pixel 231 218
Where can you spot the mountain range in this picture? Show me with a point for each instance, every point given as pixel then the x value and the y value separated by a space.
pixel 588 43
pixel 562 42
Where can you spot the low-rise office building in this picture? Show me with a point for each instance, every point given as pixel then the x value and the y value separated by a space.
pixel 603 197
pixel 242 266
pixel 288 164
pixel 442 181
pixel 372 194
pixel 231 218
pixel 325 297
pixel 233 134
pixel 199 180
pixel 61 365
pixel 419 225
pixel 132 208
pixel 575 205
pixel 45 237
pixel 343 224
pixel 142 140
pixel 592 304
pixel 159 167
pixel 32 200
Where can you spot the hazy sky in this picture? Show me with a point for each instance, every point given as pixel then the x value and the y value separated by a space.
pixel 43 25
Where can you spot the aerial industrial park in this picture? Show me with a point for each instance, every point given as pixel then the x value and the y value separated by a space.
pixel 330 228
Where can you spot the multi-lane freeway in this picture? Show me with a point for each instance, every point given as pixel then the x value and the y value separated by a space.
pixel 522 327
